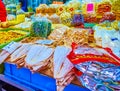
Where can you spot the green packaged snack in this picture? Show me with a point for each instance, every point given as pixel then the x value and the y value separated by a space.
pixel 41 28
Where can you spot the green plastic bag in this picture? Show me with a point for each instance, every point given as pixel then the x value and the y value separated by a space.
pixel 41 28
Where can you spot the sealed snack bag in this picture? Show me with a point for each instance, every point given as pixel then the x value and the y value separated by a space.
pixel 72 6
pixel 55 19
pixel 41 8
pixel 41 28
pixel 78 19
pixel 102 31
pixel 60 9
pixel 103 7
pixel 66 18
pixel 108 37
pixel 98 69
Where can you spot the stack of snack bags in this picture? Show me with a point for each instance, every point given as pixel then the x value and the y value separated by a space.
pixel 62 67
pixel 98 69
pixel 33 56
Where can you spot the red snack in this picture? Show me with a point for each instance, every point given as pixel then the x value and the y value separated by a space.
pixel 81 54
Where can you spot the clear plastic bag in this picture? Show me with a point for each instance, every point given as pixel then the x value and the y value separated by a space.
pixel 55 19
pixel 41 27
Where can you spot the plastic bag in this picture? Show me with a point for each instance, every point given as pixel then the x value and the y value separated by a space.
pixel 101 32
pixel 99 67
pixel 108 38
pixel 10 17
pixel 78 20
pixel 103 7
pixel 41 28
pixel 55 19
pixel 42 8
pixel 58 33
pixel 66 18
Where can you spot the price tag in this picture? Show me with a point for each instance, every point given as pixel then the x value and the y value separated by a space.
pixel 90 8
pixel 11 47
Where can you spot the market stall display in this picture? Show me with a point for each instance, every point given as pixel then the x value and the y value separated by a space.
pixel 93 30
pixel 11 35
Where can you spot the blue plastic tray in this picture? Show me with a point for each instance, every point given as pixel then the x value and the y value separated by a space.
pixel 22 73
pixel 35 81
pixel 7 68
